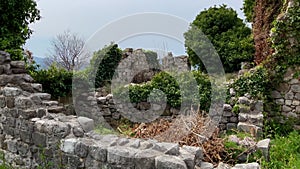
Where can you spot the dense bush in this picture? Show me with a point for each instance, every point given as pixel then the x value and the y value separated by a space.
pixel 170 86
pixel 104 63
pixel 230 37
pixel 56 81
pixel 256 83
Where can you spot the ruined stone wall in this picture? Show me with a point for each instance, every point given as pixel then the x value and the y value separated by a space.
pixel 36 133
pixel 135 67
pixel 287 94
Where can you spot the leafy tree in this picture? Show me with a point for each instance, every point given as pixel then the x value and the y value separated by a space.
pixel 230 37
pixel 248 8
pixel 15 18
pixel 104 63
pixel 67 51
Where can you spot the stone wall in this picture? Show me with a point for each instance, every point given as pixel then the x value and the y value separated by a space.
pixel 243 113
pixel 36 132
pixel 287 94
pixel 137 67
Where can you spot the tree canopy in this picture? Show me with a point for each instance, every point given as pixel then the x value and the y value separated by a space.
pixel 15 18
pixel 230 37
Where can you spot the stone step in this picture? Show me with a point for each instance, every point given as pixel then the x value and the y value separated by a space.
pixel 42 96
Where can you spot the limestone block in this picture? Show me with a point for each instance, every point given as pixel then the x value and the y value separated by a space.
pixel 87 124
pixel 295 88
pixel 168 148
pixel 206 165
pixel 276 95
pixel 244 100
pixel 121 155
pixel 264 146
pixel 167 161
pixel 11 91
pixel 68 145
pixel 145 159
pixel 246 166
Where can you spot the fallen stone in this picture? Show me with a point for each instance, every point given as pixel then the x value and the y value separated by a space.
pixel 247 166
pixel 87 124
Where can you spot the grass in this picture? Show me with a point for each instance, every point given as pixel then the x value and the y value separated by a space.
pixel 284 152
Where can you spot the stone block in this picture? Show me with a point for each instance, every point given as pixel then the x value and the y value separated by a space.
pixel 264 146
pixel 87 124
pixel 167 161
pixel 10 102
pixel 286 108
pixel 17 64
pixel 2 102
pixel 297 96
pixel 206 165
pixel 230 126
pixel 145 159
pixel 296 103
pixel 295 88
pixel 168 148
pixel 289 96
pixel 244 100
pixel 280 101
pixel 121 155
pixel 11 91
pixel 276 95
pixel 98 152
pixel 288 102
pixel 25 136
pixel 68 145
pixel 81 149
pixel 246 166
pixel 39 139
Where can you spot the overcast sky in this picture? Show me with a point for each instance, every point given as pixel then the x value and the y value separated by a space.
pixel 85 17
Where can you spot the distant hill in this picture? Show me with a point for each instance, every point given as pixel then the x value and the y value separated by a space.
pixel 40 61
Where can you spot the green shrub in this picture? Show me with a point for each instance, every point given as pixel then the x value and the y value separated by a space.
pixel 256 83
pixel 55 81
pixel 284 152
pixel 167 83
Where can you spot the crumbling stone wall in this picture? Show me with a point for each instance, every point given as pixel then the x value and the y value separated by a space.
pixel 287 94
pixel 34 131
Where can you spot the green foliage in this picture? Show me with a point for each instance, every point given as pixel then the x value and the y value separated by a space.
pixel 230 37
pixel 100 129
pixel 104 63
pixel 275 127
pixel 284 152
pixel 56 81
pixel 235 151
pixel 256 83
pixel 170 86
pixel 15 19
pixel 285 40
pixel 248 8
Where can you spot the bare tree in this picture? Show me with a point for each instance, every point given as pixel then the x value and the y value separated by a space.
pixel 67 51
